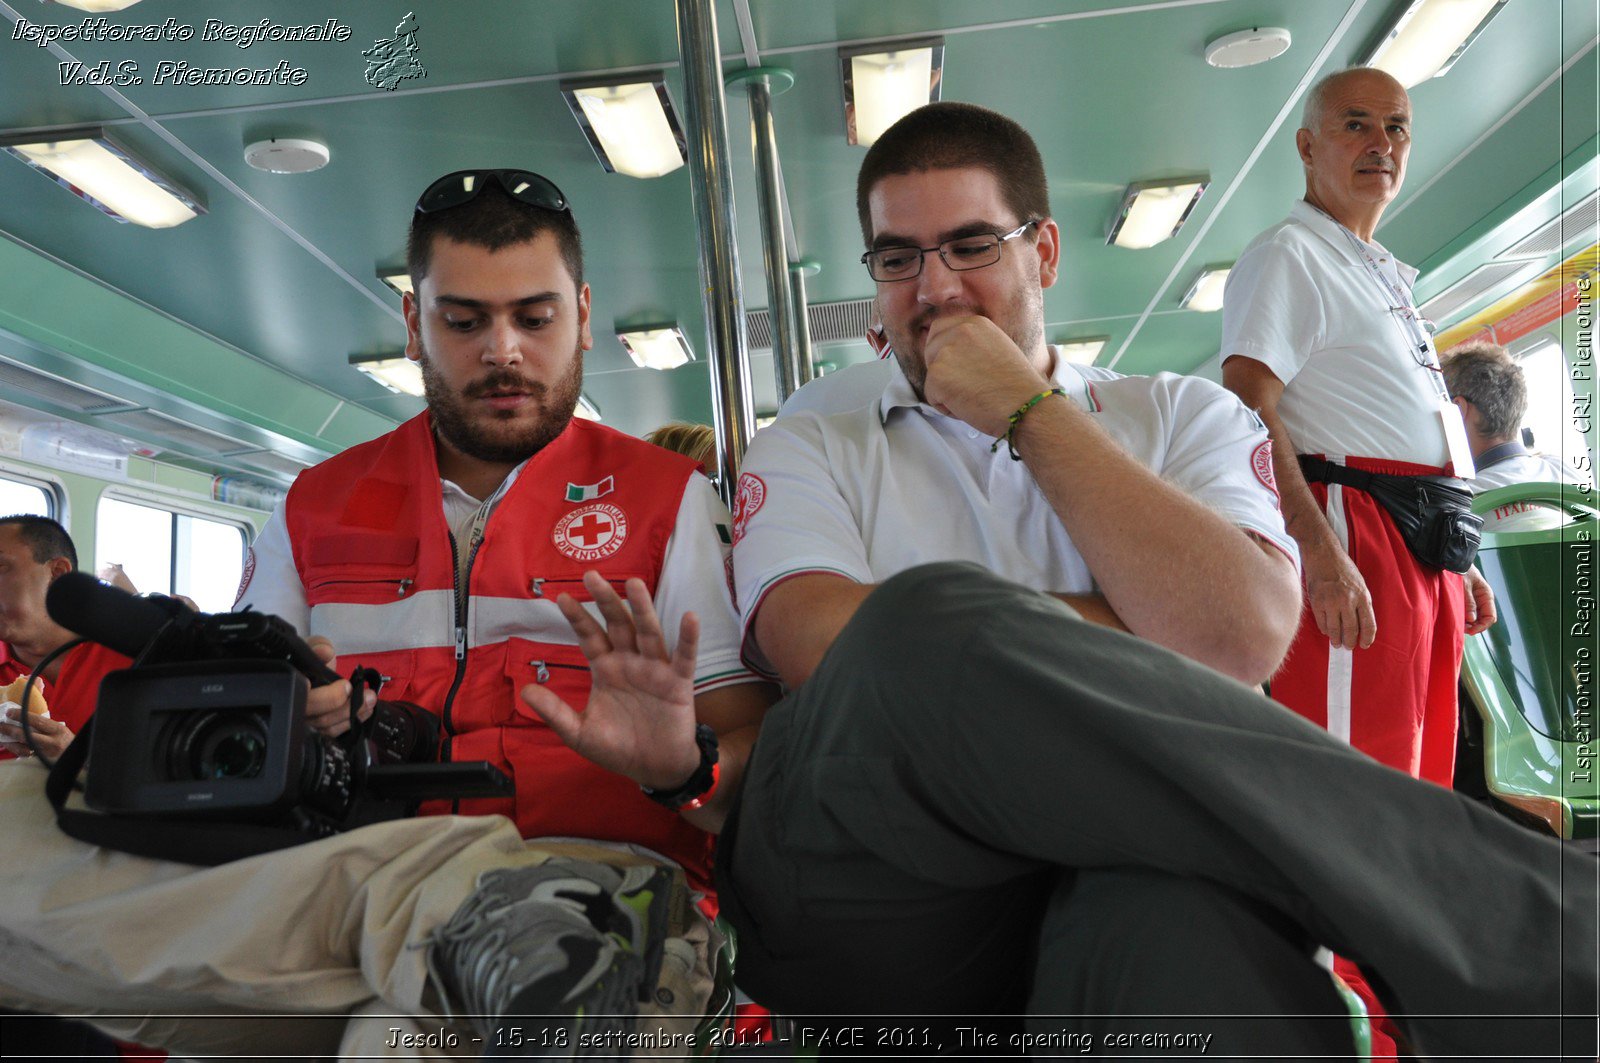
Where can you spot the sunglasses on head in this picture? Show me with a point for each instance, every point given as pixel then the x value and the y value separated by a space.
pixel 463 186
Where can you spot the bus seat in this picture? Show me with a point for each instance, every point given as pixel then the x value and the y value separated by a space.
pixel 1530 676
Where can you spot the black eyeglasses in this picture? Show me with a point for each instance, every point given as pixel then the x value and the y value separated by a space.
pixel 967 252
pixel 464 186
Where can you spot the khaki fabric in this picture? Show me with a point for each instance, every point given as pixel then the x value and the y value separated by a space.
pixel 276 952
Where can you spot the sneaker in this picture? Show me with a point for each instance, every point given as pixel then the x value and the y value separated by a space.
pixel 554 960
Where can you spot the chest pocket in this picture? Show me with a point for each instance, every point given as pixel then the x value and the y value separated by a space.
pixel 561 669
pixel 555 584
pixel 360 567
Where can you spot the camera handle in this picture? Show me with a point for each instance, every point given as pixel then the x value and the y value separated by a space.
pixel 360 679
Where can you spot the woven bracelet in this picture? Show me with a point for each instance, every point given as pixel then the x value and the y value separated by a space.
pixel 1016 419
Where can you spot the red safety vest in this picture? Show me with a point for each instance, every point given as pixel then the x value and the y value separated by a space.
pixel 374 554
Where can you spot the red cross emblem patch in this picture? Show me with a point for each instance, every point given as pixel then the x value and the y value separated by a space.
pixel 591 533
pixel 752 493
pixel 1261 462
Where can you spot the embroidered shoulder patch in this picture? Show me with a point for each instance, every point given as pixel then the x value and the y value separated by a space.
pixel 752 493
pixel 1261 462
pixel 249 573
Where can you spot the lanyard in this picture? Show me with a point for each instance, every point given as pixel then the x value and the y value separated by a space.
pixel 1398 300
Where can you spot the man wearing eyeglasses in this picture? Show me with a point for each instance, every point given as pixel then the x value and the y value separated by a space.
pixel 492 547
pixel 981 799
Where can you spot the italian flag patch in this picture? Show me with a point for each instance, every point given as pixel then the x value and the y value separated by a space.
pixel 589 492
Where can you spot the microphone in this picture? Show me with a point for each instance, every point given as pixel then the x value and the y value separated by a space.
pixel 114 618
pixel 131 624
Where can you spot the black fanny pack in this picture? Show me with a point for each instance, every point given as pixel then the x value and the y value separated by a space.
pixel 1434 513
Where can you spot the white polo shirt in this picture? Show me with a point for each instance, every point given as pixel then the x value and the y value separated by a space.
pixel 870 492
pixel 1303 301
pixel 695 577
pixel 1523 468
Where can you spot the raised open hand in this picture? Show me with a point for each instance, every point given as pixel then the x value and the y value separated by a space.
pixel 640 718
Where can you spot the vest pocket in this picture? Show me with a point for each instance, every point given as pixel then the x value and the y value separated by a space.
pixel 554 586
pixel 561 669
pixel 361 569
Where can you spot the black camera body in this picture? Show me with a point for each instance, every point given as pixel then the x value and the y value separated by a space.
pixel 209 726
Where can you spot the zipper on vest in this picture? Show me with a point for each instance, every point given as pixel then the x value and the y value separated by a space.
pixel 541 669
pixel 462 579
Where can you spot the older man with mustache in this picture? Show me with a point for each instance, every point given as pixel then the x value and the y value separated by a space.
pixel 1322 337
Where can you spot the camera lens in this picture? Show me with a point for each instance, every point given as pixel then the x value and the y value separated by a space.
pixel 221 745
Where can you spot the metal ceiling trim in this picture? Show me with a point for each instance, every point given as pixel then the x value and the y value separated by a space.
pixel 1476 286
pixel 339 400
pixel 63 373
pixel 841 322
pixel 1578 222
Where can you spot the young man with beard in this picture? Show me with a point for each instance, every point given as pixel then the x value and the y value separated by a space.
pixel 452 555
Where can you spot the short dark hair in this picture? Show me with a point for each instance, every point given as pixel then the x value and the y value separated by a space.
pixel 492 220
pixel 46 538
pixel 950 135
pixel 1489 378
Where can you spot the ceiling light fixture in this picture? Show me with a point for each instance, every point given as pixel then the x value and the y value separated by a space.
pixel 397 281
pixel 97 6
pixel 1205 294
pixel 1082 351
pixel 1247 47
pixel 287 155
pixel 394 371
pixel 107 176
pixel 658 347
pixel 632 126
pixel 885 82
pixel 1153 211
pixel 1429 36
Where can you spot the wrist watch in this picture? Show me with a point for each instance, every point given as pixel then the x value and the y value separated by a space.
pixel 701 785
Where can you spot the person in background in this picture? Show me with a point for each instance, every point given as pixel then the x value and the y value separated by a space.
pixel 34 551
pixel 695 441
pixel 1487 385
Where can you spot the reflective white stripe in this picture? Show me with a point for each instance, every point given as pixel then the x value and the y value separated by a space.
pixel 492 620
pixel 1340 660
pixel 427 620
pixel 419 621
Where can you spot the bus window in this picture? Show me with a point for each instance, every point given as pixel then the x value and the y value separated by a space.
pixel 170 552
pixel 1550 413
pixel 25 496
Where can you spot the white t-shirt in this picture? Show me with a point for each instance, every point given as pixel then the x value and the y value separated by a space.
pixel 694 577
pixel 1303 301
pixel 1523 468
pixel 873 491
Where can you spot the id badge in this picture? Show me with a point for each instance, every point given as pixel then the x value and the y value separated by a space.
pixel 1455 438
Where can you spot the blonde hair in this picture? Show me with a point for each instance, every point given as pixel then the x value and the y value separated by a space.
pixel 695 441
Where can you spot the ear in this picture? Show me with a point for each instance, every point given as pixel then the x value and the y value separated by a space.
pixel 413 316
pixel 58 566
pixel 1049 247
pixel 1302 144
pixel 585 337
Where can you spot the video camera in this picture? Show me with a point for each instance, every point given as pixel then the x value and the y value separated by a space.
pixel 200 751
